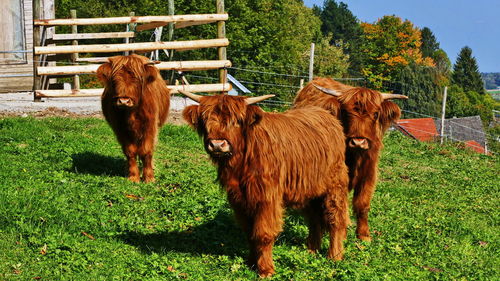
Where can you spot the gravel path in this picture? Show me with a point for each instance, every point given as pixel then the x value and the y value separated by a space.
pixel 22 104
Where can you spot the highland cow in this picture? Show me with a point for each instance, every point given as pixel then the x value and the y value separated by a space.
pixel 135 103
pixel 365 115
pixel 269 161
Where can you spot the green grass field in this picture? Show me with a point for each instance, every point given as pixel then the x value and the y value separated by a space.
pixel 67 212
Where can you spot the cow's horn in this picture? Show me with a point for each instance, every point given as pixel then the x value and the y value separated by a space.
pixel 192 96
pixel 152 62
pixel 386 96
pixel 253 100
pixel 327 91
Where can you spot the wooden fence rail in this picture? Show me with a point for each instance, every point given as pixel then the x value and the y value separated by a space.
pixel 146 46
pixel 173 65
pixel 187 20
pixel 97 92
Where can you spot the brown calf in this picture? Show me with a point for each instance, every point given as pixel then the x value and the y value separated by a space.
pixel 135 103
pixel 366 115
pixel 268 161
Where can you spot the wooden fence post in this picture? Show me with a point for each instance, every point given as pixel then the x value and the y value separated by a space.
pixel 311 62
pixel 74 56
pixel 443 112
pixel 130 27
pixel 221 33
pixel 37 34
pixel 171 12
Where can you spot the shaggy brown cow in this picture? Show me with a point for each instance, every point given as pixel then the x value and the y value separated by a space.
pixel 268 161
pixel 366 115
pixel 135 103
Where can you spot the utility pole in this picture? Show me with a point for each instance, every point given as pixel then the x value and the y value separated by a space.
pixel 311 62
pixel 443 111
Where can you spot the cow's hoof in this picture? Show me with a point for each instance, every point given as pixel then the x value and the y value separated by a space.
pixel 266 273
pixel 134 178
pixel 149 179
pixel 364 237
pixel 336 257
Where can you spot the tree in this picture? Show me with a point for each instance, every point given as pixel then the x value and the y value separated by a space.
pixel 389 45
pixel 466 72
pixel 343 28
pixel 329 60
pixel 429 44
pixel 419 83
pixel 261 38
pixel 443 66
pixel 461 103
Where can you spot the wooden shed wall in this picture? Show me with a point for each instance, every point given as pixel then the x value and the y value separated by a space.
pixel 21 83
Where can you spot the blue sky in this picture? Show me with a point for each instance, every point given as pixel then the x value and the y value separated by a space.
pixel 455 23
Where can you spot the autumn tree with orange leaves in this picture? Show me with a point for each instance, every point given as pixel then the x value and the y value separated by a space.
pixel 389 45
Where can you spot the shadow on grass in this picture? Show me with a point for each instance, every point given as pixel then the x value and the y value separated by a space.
pixel 220 236
pixel 96 164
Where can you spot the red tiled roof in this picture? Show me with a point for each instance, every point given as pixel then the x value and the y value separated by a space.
pixel 422 129
pixel 474 145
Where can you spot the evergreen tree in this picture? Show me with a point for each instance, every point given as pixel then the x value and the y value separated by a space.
pixel 339 22
pixel 419 83
pixel 429 43
pixel 466 72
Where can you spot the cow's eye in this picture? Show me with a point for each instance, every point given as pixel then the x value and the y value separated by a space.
pixel 375 115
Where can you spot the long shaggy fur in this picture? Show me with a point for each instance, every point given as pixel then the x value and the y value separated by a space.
pixel 135 126
pixel 278 160
pixel 364 114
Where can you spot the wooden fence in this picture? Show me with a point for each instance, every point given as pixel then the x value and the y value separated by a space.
pixel 44 53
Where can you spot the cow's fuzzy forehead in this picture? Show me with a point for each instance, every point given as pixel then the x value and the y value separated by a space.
pixel 133 63
pixel 224 108
pixel 366 100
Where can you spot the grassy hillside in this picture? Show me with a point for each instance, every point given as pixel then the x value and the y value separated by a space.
pixel 68 213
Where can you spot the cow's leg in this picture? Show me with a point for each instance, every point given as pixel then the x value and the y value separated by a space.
pixel 146 154
pixel 337 218
pixel 268 223
pixel 363 193
pixel 246 224
pixel 130 150
pixel 314 216
pixel 147 168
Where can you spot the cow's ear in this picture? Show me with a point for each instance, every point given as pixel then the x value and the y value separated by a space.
pixel 190 114
pixel 333 105
pixel 104 73
pixel 150 73
pixel 254 115
pixel 389 112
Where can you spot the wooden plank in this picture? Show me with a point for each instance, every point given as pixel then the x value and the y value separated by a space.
pixel 93 60
pixel 178 25
pixel 126 20
pixel 146 46
pixel 151 25
pixel 101 35
pixel 186 24
pixel 205 88
pixel 173 65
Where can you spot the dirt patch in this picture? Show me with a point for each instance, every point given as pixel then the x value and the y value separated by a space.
pixel 174 117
